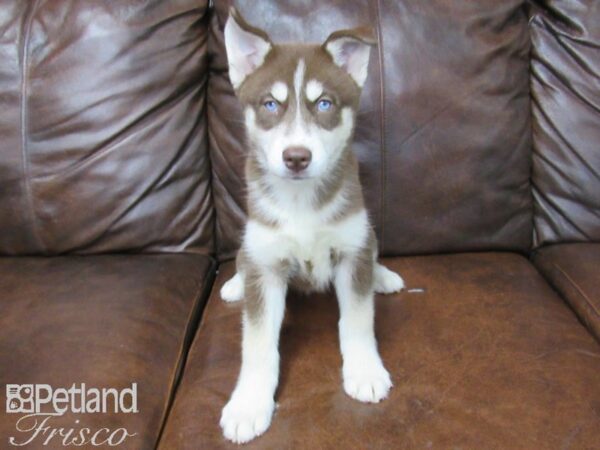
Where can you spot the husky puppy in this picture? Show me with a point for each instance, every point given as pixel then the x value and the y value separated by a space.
pixel 307 224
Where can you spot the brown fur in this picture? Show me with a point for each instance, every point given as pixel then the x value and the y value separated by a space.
pixel 364 264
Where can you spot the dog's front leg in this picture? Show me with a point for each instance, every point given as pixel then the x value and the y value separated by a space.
pixel 365 377
pixel 250 408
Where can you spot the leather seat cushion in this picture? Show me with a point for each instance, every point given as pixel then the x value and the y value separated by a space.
pixel 487 357
pixel 106 321
pixel 574 271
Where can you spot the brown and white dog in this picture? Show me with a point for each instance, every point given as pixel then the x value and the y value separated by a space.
pixel 307 224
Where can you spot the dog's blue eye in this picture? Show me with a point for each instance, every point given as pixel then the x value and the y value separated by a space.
pixel 270 105
pixel 324 105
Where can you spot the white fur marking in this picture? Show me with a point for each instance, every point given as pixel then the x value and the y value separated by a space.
pixel 365 377
pixel 279 91
pixel 298 80
pixel 250 409
pixel 326 145
pixel 314 89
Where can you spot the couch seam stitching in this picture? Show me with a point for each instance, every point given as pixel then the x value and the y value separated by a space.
pixel 219 252
pixel 383 157
pixel 534 243
pixel 202 291
pixel 577 288
pixel 23 118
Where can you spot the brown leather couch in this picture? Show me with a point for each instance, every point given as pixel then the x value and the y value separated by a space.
pixel 122 204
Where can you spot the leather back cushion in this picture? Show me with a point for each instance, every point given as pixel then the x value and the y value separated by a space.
pixel 443 135
pixel 566 120
pixel 102 125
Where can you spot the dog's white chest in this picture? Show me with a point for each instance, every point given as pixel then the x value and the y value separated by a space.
pixel 310 252
pixel 307 241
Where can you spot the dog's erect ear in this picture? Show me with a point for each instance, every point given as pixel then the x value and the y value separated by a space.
pixel 350 50
pixel 246 47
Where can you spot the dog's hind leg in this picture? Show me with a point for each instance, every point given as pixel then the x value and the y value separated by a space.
pixel 386 281
pixel 233 289
pixel 365 377
pixel 250 408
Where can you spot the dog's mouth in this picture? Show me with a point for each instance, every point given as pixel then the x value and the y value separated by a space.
pixel 299 177
pixel 294 176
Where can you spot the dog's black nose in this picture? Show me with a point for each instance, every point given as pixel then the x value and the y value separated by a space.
pixel 297 158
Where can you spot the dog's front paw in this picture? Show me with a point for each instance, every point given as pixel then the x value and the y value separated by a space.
pixel 233 289
pixel 367 382
pixel 246 417
pixel 386 281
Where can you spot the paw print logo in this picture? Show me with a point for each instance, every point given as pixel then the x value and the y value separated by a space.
pixel 19 398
